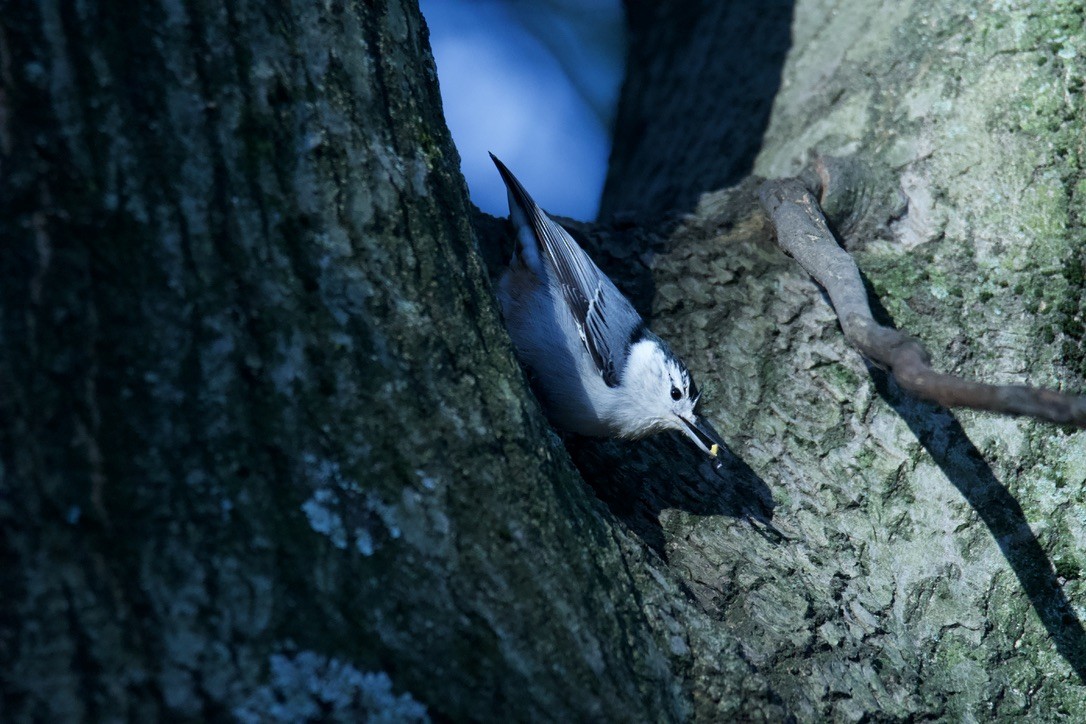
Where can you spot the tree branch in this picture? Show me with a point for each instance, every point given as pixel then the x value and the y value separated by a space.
pixel 803 234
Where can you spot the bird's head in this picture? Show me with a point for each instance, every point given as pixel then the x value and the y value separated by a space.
pixel 660 394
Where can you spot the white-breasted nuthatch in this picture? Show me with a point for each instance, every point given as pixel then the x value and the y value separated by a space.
pixel 596 367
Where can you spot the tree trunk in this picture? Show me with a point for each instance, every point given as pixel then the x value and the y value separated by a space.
pixel 933 561
pixel 263 431
pixel 266 450
pixel 701 77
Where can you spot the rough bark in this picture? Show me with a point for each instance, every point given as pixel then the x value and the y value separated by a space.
pixel 933 564
pixel 264 443
pixel 802 232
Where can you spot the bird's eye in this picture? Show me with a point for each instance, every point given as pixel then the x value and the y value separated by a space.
pixel 675 394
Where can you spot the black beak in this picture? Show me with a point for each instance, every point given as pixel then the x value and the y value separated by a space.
pixel 702 433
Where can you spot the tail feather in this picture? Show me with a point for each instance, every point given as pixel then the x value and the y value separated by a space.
pixel 523 210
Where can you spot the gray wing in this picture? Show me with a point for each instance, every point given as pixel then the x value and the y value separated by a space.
pixel 607 322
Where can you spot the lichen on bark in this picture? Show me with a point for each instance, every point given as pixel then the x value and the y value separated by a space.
pixel 930 569
pixel 257 396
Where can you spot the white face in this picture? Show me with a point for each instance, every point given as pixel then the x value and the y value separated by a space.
pixel 661 395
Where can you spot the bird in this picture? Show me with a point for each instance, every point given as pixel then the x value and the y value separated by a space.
pixel 596 367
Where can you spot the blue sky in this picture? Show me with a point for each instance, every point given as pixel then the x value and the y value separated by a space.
pixel 536 82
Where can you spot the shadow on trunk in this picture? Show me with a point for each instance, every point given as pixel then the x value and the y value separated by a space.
pixel 942 436
pixel 640 479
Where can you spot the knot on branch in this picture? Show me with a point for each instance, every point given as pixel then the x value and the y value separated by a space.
pixel 858 201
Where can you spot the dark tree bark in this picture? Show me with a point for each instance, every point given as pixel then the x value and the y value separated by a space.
pixel 700 83
pixel 261 421
pixel 266 453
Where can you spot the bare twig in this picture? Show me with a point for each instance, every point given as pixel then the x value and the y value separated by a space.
pixel 803 234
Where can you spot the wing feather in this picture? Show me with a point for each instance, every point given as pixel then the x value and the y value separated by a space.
pixel 607 322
